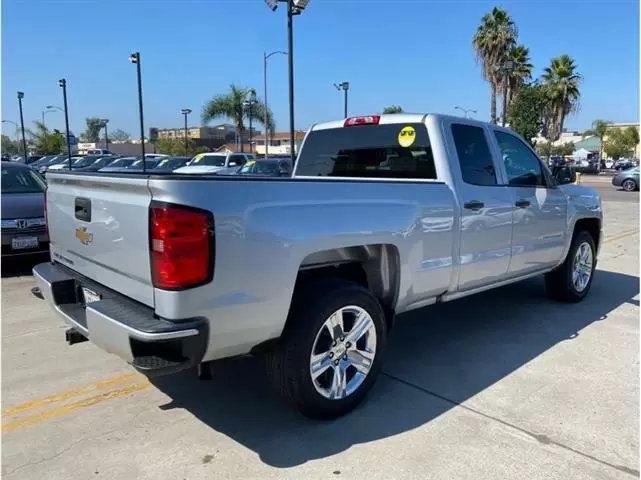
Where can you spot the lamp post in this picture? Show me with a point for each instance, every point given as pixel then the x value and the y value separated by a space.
pixel 105 121
pixel 24 140
pixel 249 104
pixel 294 7
pixel 267 56
pixel 63 84
pixel 465 111
pixel 135 58
pixel 185 112
pixel 344 86
pixel 49 109
pixel 507 67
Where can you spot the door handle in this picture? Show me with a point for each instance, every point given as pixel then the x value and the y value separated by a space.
pixel 82 209
pixel 522 203
pixel 473 205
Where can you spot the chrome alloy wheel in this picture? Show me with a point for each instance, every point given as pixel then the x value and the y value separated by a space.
pixel 582 267
pixel 343 352
pixel 629 186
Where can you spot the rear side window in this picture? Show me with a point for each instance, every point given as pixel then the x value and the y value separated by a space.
pixel 475 159
pixel 374 151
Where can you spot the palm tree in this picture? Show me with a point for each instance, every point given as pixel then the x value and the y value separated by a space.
pixel 599 129
pixel 493 40
pixel 232 105
pixel 561 85
pixel 521 72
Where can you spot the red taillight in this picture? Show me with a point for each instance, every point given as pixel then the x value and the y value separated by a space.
pixel 370 120
pixel 181 244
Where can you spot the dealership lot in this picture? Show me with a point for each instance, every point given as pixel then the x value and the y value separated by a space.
pixel 507 384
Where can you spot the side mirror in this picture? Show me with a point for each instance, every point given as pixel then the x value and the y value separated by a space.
pixel 564 175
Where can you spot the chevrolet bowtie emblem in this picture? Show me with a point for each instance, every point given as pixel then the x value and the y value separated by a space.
pixel 84 236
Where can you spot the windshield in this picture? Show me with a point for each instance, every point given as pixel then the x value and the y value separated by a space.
pixel 209 160
pixel 122 162
pixel 84 162
pixel 171 163
pixel 21 180
pixel 41 161
pixel 148 164
pixel 264 167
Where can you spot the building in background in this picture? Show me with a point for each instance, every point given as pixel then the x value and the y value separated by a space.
pixel 279 143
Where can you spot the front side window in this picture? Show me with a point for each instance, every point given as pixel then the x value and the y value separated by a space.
pixel 523 168
pixel 238 160
pixel 474 156
pixel 376 151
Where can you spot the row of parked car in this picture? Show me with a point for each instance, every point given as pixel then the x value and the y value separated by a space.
pixel 224 163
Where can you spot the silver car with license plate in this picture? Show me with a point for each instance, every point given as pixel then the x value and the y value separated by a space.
pixel 23 211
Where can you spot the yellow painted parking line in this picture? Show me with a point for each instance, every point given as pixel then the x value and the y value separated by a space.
pixel 58 397
pixel 620 235
pixel 72 407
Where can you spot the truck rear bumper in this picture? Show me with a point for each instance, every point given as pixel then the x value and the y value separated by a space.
pixel 119 325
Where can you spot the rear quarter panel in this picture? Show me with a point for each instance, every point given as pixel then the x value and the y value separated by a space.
pixel 266 228
pixel 583 202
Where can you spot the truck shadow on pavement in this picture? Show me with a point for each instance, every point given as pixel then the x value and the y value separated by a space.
pixel 21 265
pixel 438 357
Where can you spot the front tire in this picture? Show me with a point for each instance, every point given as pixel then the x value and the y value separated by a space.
pixel 331 351
pixel 571 282
pixel 629 185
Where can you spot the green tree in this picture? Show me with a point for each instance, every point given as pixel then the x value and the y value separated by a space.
pixel 526 111
pixel 600 130
pixel 393 109
pixel 232 105
pixel 544 149
pixel 564 149
pixel 621 143
pixel 493 39
pixel 92 134
pixel 10 147
pixel 176 146
pixel 519 75
pixel 119 136
pixel 561 83
pixel 47 142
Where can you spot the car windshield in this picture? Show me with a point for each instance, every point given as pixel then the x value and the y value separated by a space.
pixel 21 180
pixel 209 160
pixel 171 163
pixel 42 161
pixel 84 161
pixel 149 164
pixel 266 167
pixel 122 162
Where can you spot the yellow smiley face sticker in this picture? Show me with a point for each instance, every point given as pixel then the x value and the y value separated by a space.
pixel 406 136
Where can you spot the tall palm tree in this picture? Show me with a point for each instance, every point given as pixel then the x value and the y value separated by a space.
pixel 492 41
pixel 561 85
pixel 521 72
pixel 232 105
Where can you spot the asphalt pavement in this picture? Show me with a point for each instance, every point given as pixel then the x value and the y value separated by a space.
pixel 503 385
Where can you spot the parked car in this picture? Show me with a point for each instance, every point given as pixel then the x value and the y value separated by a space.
pixel 119 164
pixel 627 179
pixel 214 162
pixel 64 165
pixel 98 151
pixel 265 167
pixel 97 164
pixel 23 211
pixel 170 164
pixel 384 214
pixel 42 161
pixel 624 164
pixel 58 160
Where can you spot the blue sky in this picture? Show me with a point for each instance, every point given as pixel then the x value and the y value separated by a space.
pixel 413 53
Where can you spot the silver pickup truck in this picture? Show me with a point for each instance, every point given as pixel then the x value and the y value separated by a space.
pixel 383 214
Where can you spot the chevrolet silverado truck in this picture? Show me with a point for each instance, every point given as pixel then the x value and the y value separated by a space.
pixel 383 214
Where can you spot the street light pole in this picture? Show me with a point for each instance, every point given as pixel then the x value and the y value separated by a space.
pixel 24 140
pixel 135 58
pixel 344 86
pixel 266 57
pixel 185 112
pixel 63 84
pixel 465 111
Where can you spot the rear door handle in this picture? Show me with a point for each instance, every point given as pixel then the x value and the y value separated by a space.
pixel 473 205
pixel 522 203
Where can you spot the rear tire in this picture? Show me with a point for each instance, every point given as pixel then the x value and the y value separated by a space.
pixel 629 185
pixel 571 282
pixel 291 368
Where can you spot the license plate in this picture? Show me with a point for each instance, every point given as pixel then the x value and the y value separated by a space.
pixel 20 243
pixel 90 296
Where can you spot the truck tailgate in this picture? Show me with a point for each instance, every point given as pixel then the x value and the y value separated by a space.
pixel 99 227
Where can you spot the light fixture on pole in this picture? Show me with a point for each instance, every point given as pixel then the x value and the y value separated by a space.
pixel 267 56
pixel 135 58
pixel 185 112
pixel 506 69
pixel 62 83
pixel 49 109
pixel 294 7
pixel 344 86
pixel 248 104
pixel 465 111
pixel 105 121
pixel 24 140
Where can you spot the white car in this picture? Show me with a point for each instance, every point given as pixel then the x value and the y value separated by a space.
pixel 213 162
